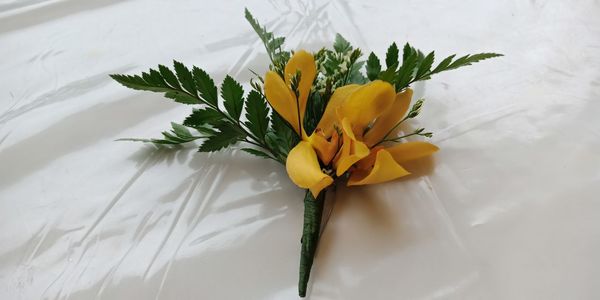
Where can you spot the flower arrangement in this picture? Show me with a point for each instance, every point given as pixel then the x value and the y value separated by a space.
pixel 327 116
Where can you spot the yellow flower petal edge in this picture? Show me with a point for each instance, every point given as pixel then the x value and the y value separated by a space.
pixel 389 118
pixel 304 170
pixel 367 103
pixel 368 162
pixel 281 98
pixel 325 149
pixel 352 151
pixel 411 150
pixel 384 169
pixel 303 62
pixel 330 117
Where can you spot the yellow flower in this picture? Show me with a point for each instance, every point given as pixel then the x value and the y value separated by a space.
pixel 365 114
pixel 280 95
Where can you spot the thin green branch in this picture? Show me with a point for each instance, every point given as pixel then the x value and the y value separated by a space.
pixel 416 132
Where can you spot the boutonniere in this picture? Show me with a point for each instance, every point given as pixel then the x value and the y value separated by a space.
pixel 327 116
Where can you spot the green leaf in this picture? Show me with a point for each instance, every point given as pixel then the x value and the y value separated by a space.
pixel 233 97
pixel 257 114
pixel 181 97
pixel 471 59
pixel 281 57
pixel 225 136
pixel 206 86
pixel 444 64
pixel 272 44
pixel 277 143
pixel 173 138
pixel 355 75
pixel 406 72
pixel 275 43
pixel 260 31
pixel 169 77
pixel 154 78
pixel 373 66
pixel 278 123
pixel 389 74
pixel 153 141
pixel 425 65
pixel 180 130
pixel 185 77
pixel 282 130
pixel 179 134
pixel 449 63
pixel 257 152
pixel 280 137
pixel 391 57
pixel 138 83
pixel 313 112
pixel 341 45
pixel 420 56
pixel 155 81
pixel 201 117
pixel 407 51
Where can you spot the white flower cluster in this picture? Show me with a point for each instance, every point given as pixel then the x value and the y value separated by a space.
pixel 342 61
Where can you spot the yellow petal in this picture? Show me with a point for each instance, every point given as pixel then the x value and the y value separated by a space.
pixel 304 63
pixel 367 103
pixel 330 118
pixel 304 170
pixel 352 149
pixel 281 99
pixel 368 162
pixel 389 118
pixel 384 169
pixel 411 150
pixel 325 149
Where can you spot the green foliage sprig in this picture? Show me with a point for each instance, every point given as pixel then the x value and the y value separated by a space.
pixel 218 120
pixel 273 44
pixel 415 66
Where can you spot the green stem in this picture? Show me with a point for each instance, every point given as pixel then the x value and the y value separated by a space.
pixel 390 131
pixel 398 138
pixel 258 145
pixel 313 211
pixel 348 72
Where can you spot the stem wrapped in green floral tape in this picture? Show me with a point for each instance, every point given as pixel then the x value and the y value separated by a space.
pixel 313 211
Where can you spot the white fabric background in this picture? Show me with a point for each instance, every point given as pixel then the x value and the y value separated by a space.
pixel 508 209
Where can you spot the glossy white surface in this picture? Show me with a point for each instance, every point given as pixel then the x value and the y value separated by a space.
pixel 508 209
